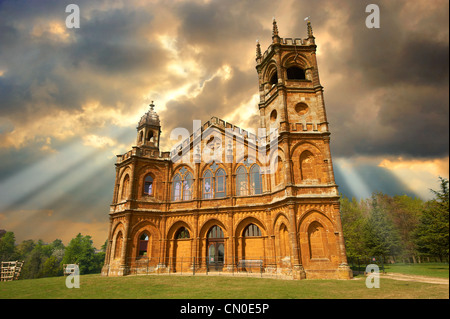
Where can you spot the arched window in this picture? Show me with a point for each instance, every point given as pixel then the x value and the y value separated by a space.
pixel 143 245
pixel 182 185
pixel 295 73
pixel 182 233
pixel 220 189
pixel 125 187
pixel 207 185
pixel 274 79
pixel 187 186
pixel 255 180
pixel 118 247
pixel 150 136
pixel 215 232
pixel 252 231
pixel 176 192
pixel 241 181
pixel 148 185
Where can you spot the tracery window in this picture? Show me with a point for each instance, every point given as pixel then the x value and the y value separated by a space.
pixel 207 185
pixel 220 190
pixel 248 184
pixel 241 181
pixel 255 180
pixel 187 186
pixel 214 182
pixel 176 184
pixel 182 185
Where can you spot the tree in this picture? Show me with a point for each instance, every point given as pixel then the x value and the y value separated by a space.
pixel 352 219
pixel 432 234
pixel 380 236
pixel 405 213
pixel 80 251
pixel 7 247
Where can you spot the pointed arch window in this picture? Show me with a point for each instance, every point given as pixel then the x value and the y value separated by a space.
pixel 207 185
pixel 252 231
pixel 182 185
pixel 148 185
pixel 255 180
pixel 215 232
pixel 187 186
pixel 220 189
pixel 182 233
pixel 143 244
pixel 125 187
pixel 241 181
pixel 118 247
pixel 176 184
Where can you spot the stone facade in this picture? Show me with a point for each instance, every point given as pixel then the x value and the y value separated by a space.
pixel 226 196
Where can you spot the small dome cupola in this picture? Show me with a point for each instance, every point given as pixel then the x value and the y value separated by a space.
pixel 149 129
pixel 150 118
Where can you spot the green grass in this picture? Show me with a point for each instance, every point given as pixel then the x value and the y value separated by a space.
pixel 439 270
pixel 216 287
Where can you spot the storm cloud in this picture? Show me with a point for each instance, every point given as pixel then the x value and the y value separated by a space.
pixel 79 93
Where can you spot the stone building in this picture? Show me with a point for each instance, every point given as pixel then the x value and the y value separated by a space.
pixel 227 199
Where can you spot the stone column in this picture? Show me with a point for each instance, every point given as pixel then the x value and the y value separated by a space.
pixel 298 271
pixel 123 255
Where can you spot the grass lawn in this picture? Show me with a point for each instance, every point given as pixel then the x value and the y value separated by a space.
pixel 439 270
pixel 216 287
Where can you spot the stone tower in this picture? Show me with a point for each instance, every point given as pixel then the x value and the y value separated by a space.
pixel 291 100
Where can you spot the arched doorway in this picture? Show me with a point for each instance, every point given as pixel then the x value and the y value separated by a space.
pixel 215 249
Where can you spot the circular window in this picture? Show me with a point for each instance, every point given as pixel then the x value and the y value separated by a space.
pixel 273 116
pixel 301 108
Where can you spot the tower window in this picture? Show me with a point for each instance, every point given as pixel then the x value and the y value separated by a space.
pixel 274 79
pixel 148 185
pixel 150 136
pixel 295 73
pixel 273 116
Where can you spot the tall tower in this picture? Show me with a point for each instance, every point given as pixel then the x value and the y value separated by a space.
pixel 291 100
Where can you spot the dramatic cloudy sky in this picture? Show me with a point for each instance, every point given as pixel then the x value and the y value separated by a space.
pixel 70 99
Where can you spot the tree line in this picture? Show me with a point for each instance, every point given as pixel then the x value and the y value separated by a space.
pixel 47 260
pixel 397 227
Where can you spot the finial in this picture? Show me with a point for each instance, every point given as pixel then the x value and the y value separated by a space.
pixel 275 28
pixel 258 49
pixel 310 33
pixel 152 106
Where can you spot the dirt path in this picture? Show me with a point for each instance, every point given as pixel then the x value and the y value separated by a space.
pixel 430 280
